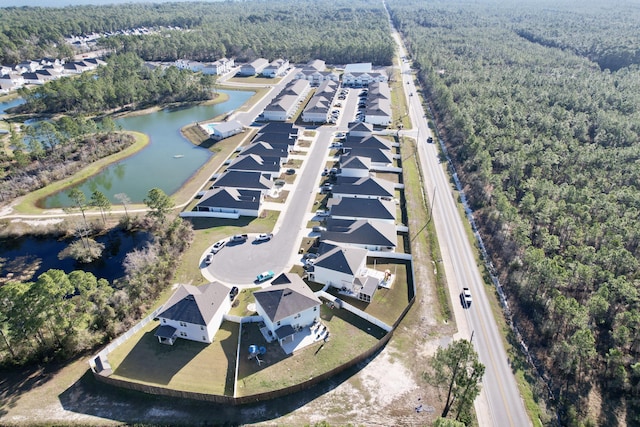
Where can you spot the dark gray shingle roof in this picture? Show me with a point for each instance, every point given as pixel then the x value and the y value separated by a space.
pixel 287 296
pixel 195 304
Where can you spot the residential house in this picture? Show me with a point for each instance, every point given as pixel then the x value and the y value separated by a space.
pixel 345 268
pixel 254 67
pixel 187 64
pixel 219 67
pixel 369 141
pixel 362 74
pixel 194 313
pixel 252 163
pixel 267 150
pixel 373 235
pixel 285 105
pixel 287 305
pixel 244 181
pixel 362 208
pixel 362 187
pixel 230 202
pixel 275 139
pixel 315 64
pixel 379 158
pixel 360 129
pixel 288 129
pixel 354 166
pixel 318 108
pixel 276 68
pixel 33 78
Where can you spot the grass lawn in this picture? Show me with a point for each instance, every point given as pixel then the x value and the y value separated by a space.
pixel 244 298
pixel 387 304
pixel 349 337
pixel 282 197
pixel 186 365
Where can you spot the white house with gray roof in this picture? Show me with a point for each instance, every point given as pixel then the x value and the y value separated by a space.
pixel 194 313
pixel 286 306
pixel 254 163
pixel 276 68
pixel 370 234
pixel 352 208
pixel 254 67
pixel 354 166
pixel 345 268
pixel 228 202
pixel 243 180
pixel 363 187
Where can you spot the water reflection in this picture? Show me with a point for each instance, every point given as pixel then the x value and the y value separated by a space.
pixel 32 256
pixel 167 162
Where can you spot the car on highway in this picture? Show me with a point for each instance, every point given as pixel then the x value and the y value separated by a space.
pixel 265 275
pixel 218 245
pixel 238 238
pixel 263 237
pixel 208 258
pixel 465 297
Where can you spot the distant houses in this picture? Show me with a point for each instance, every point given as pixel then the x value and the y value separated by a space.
pixel 42 71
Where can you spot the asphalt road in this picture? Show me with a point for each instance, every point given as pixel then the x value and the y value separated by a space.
pixel 239 264
pixel 500 403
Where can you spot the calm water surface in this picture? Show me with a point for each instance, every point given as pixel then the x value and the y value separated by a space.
pixel 167 162
pixel 41 255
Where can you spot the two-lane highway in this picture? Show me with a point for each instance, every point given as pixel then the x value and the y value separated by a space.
pixel 500 403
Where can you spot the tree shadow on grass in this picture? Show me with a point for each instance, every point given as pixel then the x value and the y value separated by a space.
pixel 15 382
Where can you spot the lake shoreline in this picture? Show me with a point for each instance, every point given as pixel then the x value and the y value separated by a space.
pixel 31 204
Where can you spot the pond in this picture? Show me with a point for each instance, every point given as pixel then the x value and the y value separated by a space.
pixel 167 162
pixel 40 254
pixel 4 106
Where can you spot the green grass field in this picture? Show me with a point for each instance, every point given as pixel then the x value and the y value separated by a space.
pixel 350 336
pixel 186 365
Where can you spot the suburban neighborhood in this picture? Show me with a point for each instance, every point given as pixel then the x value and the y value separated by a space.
pixel 338 193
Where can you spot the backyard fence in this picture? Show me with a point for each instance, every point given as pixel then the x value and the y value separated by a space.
pixel 100 364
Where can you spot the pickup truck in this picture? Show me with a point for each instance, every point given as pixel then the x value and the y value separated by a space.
pixel 238 238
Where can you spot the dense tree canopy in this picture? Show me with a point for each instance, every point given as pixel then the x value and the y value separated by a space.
pixel 124 81
pixel 336 31
pixel 546 140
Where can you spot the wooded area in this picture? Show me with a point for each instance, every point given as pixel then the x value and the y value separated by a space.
pixel 59 315
pixel 123 82
pixel 338 32
pixel 539 105
pixel 48 151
